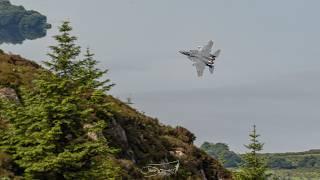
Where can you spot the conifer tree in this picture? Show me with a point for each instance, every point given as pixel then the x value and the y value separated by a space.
pixel 88 73
pixel 55 132
pixel 64 54
pixel 254 167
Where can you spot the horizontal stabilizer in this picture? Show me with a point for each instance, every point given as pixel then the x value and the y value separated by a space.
pixel 211 69
pixel 206 50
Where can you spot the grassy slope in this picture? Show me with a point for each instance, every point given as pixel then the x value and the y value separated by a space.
pixel 146 140
pixel 297 174
pixel 294 157
pixel 15 70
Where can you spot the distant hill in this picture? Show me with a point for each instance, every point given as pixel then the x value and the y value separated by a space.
pixel 290 160
pixel 18 24
pixel 141 140
pixel 221 151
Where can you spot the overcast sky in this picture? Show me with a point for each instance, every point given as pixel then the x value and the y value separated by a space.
pixel 267 73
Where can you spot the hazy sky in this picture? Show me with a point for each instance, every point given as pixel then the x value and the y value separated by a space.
pixel 267 73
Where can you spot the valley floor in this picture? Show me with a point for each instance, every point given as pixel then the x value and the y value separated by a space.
pixel 297 174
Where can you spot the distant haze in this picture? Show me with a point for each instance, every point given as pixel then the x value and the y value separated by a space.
pixel 267 73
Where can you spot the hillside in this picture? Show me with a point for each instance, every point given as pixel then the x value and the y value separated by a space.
pixel 141 140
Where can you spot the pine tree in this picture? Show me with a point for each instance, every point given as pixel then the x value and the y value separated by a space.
pixel 254 167
pixel 56 130
pixel 63 55
pixel 90 75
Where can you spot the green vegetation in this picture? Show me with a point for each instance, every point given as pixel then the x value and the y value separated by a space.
pixel 307 159
pixel 221 152
pixel 62 125
pixel 292 160
pixel 254 166
pixel 18 24
pixel 299 165
pixel 296 174
pixel 54 132
pixel 296 165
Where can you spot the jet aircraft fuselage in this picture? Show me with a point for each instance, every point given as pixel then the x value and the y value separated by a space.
pixel 202 57
pixel 208 60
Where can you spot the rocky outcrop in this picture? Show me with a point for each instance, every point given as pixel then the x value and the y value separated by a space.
pixel 8 94
pixel 116 131
pixel 152 143
pixel 92 135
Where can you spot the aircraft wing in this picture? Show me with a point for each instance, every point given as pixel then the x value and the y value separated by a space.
pixel 206 50
pixel 200 66
pixel 193 59
pixel 217 53
pixel 195 51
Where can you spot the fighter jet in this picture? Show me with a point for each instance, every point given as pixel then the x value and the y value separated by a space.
pixel 202 57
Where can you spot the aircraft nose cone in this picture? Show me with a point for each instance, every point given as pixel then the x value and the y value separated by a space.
pixel 183 52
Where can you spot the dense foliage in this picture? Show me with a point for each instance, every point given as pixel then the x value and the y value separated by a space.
pixel 222 152
pixel 307 159
pixel 55 130
pixel 18 24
